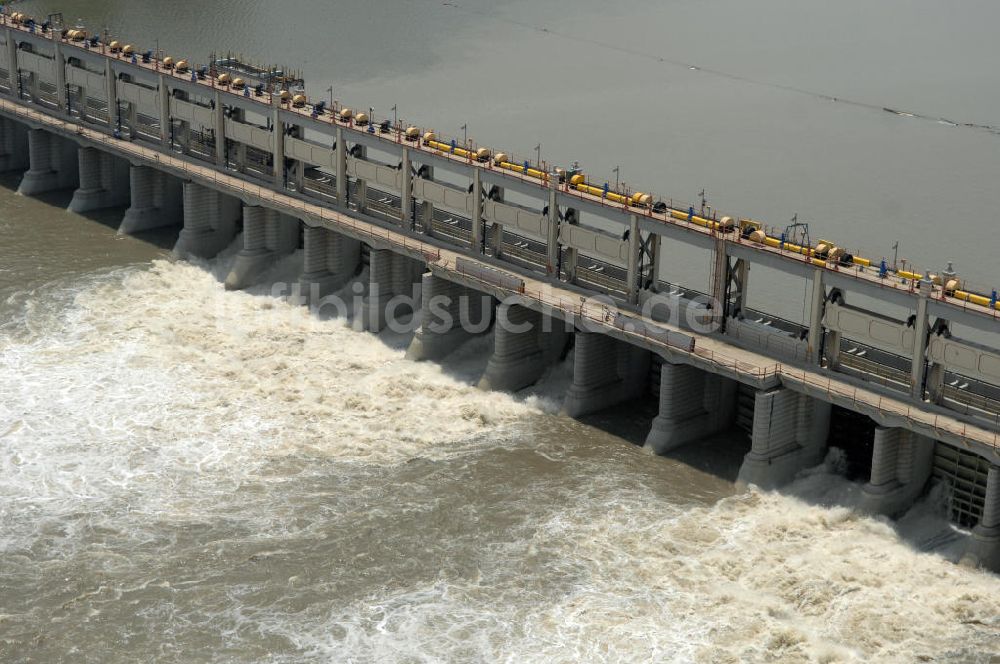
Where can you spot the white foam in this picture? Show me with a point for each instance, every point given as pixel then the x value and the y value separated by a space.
pixel 153 404
pixel 158 381
pixel 756 577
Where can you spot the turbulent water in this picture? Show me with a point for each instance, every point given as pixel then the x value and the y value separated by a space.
pixel 191 475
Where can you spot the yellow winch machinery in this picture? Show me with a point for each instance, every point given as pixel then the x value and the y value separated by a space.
pixel 822 254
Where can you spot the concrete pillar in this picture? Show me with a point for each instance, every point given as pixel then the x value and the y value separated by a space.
pixel 341 169
pixel 983 548
pixel 267 235
pixel 478 231
pixel 155 201
pixel 606 372
pixel 406 193
pixel 694 404
pixel 720 279
pixel 657 252
pixel 525 344
pixel 331 259
pixel 53 164
pixel 59 64
pixel 425 212
pixel 132 118
pixel 919 360
pixel 219 127
pixel 13 145
pixel 360 195
pixel 743 277
pixel 111 92
pixel 104 181
pixel 390 289
pixel 164 94
pixel 552 229
pixel 12 70
pixel 497 230
pixel 450 315
pixel 901 465
pixel 789 434
pixel 814 343
pixel 209 222
pixel 634 249
pixel 278 134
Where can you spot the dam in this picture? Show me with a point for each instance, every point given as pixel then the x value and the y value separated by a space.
pixel 578 261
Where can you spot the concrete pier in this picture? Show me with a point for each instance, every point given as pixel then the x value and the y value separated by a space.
pixel 694 404
pixel 901 465
pixel 156 201
pixel 525 344
pixel 104 181
pixel 52 164
pixel 606 372
pixel 390 290
pixel 13 146
pixel 331 259
pixel 450 315
pixel 789 434
pixel 209 222
pixel 267 235
pixel 153 112
pixel 984 545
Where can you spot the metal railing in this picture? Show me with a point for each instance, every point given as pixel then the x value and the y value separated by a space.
pixel 628 326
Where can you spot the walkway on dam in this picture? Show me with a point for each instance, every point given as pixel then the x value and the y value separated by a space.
pixel 717 355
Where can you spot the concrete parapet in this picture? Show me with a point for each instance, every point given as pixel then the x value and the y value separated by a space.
pixel 104 181
pixel 267 234
pixel 209 222
pixel 525 344
pixel 902 462
pixel 606 372
pixel 789 434
pixel 331 259
pixel 13 145
pixel 390 290
pixel 694 404
pixel 983 549
pixel 52 164
pixel 450 314
pixel 156 200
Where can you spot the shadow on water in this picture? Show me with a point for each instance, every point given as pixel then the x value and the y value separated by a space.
pixel 110 218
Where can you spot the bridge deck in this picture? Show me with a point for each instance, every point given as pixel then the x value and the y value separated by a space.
pixel 712 353
pixel 891 283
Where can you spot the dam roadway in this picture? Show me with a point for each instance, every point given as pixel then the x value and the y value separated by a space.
pixel 177 148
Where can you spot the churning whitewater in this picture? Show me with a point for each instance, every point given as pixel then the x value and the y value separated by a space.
pixel 189 474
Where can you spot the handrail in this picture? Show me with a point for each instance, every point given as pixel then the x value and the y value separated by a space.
pixel 625 325
pixel 892 280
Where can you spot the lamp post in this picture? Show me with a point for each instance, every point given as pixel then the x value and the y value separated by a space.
pixel 538 155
